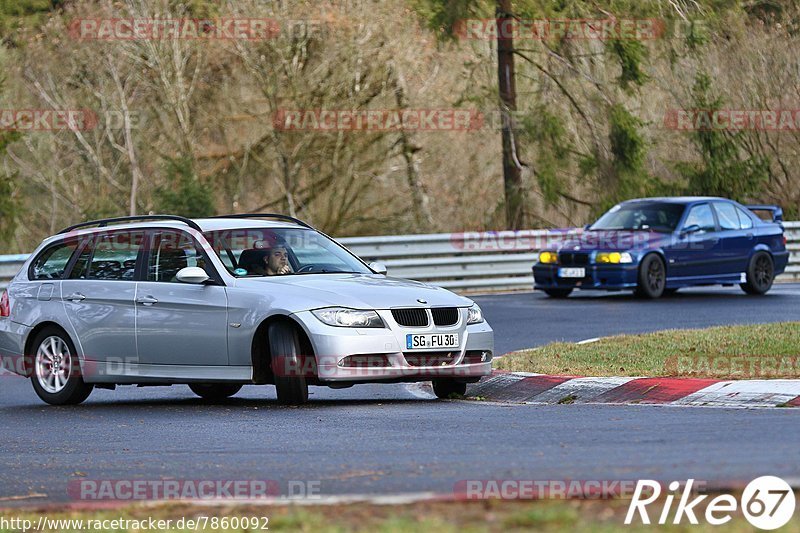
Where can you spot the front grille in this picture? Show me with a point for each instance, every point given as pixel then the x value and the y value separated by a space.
pixel 445 316
pixel 414 318
pixel 430 358
pixel 573 259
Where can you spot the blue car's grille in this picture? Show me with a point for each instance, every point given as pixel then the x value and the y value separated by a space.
pixel 573 258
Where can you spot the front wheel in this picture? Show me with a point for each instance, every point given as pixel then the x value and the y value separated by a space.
pixel 284 346
pixel 215 392
pixel 56 372
pixel 652 277
pixel 447 388
pixel 760 274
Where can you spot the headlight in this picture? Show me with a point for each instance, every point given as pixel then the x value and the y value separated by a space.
pixel 614 258
pixel 349 318
pixel 548 257
pixel 474 314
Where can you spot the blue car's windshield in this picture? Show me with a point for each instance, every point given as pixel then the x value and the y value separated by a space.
pixel 661 217
pixel 281 251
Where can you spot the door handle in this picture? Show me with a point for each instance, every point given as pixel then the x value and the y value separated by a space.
pixel 146 300
pixel 750 235
pixel 76 297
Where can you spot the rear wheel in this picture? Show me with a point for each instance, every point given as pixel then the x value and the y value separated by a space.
pixel 446 388
pixel 215 391
pixel 56 375
pixel 760 274
pixel 652 277
pixel 290 383
pixel 558 293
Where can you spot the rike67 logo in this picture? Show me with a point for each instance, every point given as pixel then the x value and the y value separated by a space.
pixel 767 502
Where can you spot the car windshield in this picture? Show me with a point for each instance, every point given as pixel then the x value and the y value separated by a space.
pixel 660 217
pixel 281 251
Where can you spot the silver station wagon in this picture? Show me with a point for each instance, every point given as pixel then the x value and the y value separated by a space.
pixel 218 303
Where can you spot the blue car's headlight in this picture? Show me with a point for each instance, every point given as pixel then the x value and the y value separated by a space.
pixel 474 315
pixel 614 258
pixel 348 318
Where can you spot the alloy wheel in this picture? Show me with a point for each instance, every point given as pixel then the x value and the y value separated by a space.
pixel 53 364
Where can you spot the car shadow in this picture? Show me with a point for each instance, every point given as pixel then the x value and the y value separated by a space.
pixel 112 406
pixel 686 295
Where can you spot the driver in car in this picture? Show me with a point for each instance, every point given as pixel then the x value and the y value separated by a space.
pixel 276 262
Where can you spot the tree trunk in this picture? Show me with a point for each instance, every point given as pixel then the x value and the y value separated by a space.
pixel 512 168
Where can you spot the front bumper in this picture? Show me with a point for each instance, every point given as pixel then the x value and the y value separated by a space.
pixel 601 277
pixel 381 354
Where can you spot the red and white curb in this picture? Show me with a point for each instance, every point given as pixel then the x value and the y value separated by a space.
pixel 545 389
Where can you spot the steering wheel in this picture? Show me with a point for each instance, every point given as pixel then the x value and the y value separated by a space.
pixel 307 268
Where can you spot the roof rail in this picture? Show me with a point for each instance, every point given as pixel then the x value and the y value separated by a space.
pixel 103 222
pixel 278 216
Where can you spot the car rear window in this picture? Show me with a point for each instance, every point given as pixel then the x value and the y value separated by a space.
pixel 109 256
pixel 52 262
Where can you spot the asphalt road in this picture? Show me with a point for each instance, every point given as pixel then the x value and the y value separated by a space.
pixel 374 439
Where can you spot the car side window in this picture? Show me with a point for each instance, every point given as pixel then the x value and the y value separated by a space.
pixel 745 222
pixel 111 256
pixel 171 252
pixel 52 262
pixel 702 216
pixel 726 213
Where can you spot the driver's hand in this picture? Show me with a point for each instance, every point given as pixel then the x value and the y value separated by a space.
pixel 285 269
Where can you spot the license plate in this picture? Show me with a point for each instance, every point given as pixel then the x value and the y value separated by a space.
pixel 571 272
pixel 428 341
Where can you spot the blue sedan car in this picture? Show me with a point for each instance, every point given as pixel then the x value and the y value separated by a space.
pixel 658 245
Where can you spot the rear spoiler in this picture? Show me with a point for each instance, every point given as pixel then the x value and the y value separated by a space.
pixel 775 212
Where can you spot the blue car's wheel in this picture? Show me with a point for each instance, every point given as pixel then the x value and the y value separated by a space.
pixel 760 274
pixel 652 277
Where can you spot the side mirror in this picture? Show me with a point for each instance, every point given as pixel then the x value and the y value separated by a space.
pixel 688 230
pixel 380 268
pixel 586 227
pixel 193 275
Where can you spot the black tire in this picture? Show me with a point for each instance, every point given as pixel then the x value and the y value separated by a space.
pixel 74 391
pixel 284 348
pixel 652 277
pixel 760 274
pixel 446 388
pixel 558 293
pixel 215 392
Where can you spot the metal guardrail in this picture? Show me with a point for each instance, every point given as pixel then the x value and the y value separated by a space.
pixel 477 261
